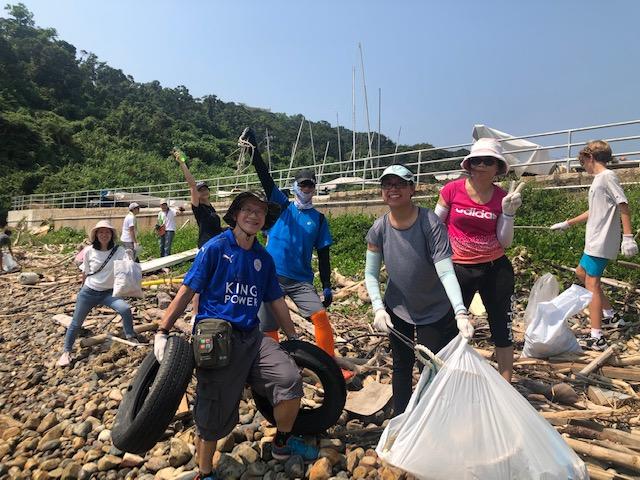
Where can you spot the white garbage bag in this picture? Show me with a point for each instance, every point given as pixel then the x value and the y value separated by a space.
pixel 545 289
pixel 8 262
pixel 468 423
pixel 548 333
pixel 127 277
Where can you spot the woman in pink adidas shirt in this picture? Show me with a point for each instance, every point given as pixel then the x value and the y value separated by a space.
pixel 479 218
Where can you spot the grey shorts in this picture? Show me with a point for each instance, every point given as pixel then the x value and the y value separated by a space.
pixel 303 295
pixel 255 360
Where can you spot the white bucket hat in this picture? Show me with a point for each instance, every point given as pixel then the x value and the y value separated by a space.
pixel 487 147
pixel 133 206
pixel 102 224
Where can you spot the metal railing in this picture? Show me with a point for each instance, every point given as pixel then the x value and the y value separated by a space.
pixel 427 164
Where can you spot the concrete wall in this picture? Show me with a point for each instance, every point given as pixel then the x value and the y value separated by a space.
pixel 366 201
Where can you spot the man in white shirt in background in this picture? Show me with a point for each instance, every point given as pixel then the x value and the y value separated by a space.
pixel 166 219
pixel 129 235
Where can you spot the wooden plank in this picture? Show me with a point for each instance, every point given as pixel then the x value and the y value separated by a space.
pixel 159 263
pixel 62 319
pixel 88 342
pixel 598 361
pixel 631 462
pixel 629 374
pixel 607 398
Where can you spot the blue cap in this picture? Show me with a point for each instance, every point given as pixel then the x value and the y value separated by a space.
pixel 399 171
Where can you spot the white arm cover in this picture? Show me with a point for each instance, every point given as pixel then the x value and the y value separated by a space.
pixel 450 283
pixel 442 212
pixel 504 230
pixel 371 278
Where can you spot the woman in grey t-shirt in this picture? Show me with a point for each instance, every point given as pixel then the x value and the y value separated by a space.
pixel 423 297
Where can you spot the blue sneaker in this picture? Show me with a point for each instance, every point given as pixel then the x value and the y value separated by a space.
pixel 211 476
pixel 294 446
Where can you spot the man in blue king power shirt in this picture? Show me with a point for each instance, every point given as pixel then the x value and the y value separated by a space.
pixel 234 276
pixel 299 230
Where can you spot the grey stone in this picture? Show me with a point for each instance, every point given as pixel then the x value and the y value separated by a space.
pixel 230 468
pixel 246 453
pixel 179 453
pixel 294 466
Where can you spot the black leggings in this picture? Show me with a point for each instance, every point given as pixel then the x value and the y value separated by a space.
pixel 434 336
pixel 494 281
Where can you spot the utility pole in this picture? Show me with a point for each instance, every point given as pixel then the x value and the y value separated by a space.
pixel 339 147
pixel 268 147
pixel 353 111
pixel 293 150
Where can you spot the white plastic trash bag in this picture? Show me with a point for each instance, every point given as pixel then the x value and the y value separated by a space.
pixel 127 277
pixel 545 289
pixel 8 262
pixel 468 423
pixel 548 333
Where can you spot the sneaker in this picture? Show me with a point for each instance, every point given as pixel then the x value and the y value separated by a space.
pixel 596 344
pixel 137 339
pixel 211 476
pixel 616 321
pixel 294 446
pixel 65 359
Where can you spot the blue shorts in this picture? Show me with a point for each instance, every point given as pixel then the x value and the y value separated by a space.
pixel 594 266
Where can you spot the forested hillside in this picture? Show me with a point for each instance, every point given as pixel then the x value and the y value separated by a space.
pixel 69 121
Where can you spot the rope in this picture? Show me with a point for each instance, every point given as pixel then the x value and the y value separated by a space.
pixel 423 354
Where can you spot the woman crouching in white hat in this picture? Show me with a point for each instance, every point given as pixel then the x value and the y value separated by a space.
pixel 97 286
pixel 479 217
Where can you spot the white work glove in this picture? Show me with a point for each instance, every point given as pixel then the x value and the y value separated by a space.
pixel 382 321
pixel 136 247
pixel 629 247
pixel 464 324
pixel 159 344
pixel 560 227
pixel 512 201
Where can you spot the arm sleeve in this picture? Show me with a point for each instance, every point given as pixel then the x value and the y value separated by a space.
pixel 203 268
pixel 504 230
pixel 447 276
pixel 441 212
pixel 263 173
pixel 372 278
pixel 437 238
pixel 324 267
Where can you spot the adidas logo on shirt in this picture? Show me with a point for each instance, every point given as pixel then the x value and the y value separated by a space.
pixel 474 212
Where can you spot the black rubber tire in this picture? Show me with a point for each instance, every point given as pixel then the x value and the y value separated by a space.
pixel 153 397
pixel 317 420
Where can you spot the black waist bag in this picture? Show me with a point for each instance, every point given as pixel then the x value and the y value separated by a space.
pixel 212 343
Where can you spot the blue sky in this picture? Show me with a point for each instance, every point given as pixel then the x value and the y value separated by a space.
pixel 521 67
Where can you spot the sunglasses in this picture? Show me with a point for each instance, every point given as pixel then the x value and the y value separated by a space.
pixel 398 184
pixel 250 211
pixel 488 161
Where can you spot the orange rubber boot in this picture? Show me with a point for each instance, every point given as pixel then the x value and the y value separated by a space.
pixel 324 337
pixel 273 334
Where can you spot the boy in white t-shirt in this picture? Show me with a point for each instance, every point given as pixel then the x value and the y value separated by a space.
pixel 607 206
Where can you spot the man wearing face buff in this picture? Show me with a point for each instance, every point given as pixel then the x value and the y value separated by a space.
pixel 299 230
